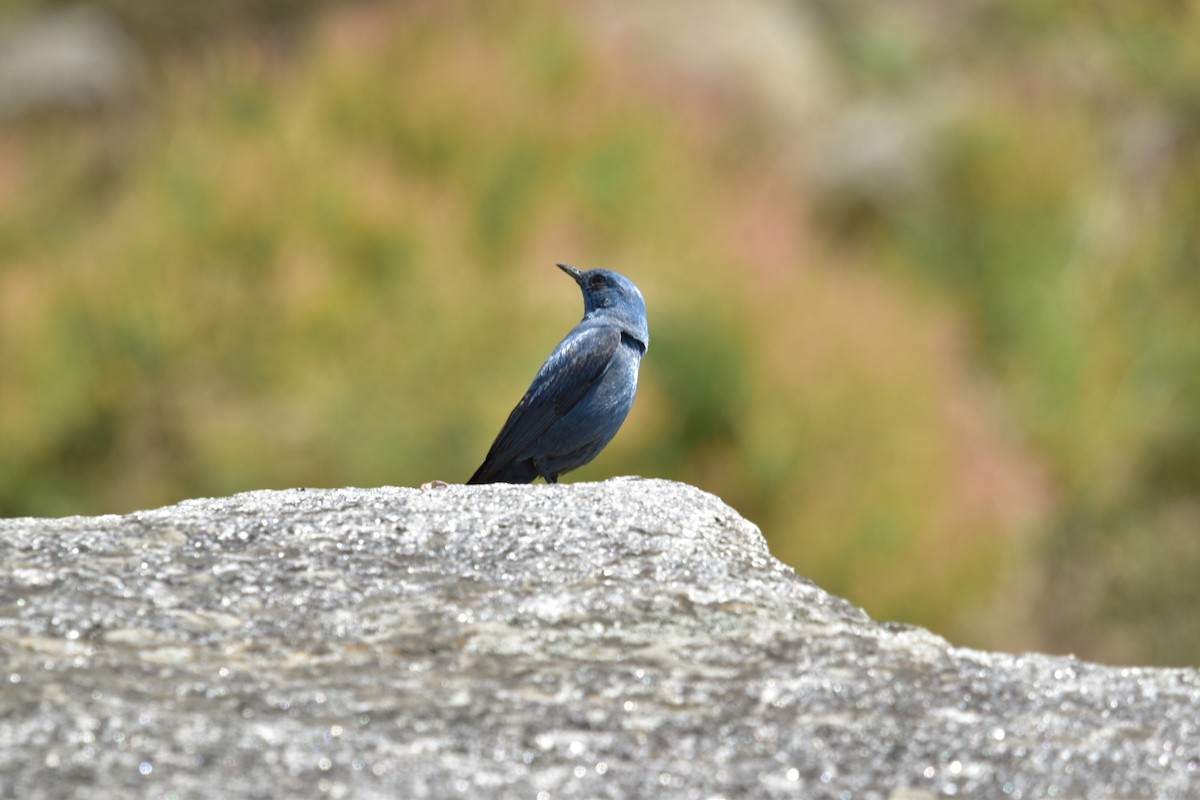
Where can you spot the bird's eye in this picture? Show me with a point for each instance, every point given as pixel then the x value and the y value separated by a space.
pixel 596 281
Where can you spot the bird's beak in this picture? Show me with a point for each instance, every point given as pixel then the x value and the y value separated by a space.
pixel 574 273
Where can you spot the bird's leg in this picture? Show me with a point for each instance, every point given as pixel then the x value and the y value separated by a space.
pixel 546 476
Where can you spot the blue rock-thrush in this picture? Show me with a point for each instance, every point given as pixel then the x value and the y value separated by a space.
pixel 582 393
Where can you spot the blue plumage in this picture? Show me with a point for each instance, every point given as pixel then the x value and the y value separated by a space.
pixel 582 393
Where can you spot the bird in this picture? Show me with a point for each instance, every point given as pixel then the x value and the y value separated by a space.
pixel 583 392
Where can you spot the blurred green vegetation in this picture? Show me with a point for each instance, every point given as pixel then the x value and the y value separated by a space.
pixel 326 258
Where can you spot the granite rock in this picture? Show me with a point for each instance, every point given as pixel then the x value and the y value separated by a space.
pixel 632 638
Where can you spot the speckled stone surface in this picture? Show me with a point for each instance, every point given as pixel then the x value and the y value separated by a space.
pixel 626 639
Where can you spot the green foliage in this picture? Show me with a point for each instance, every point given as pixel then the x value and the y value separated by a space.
pixel 1063 223
pixel 332 263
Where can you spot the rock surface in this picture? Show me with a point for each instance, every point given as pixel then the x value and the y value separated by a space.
pixel 74 60
pixel 625 639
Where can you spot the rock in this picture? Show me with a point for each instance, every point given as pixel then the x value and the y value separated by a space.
pixel 75 60
pixel 772 53
pixel 879 152
pixel 625 639
pixel 854 148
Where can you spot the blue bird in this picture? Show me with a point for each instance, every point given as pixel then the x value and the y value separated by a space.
pixel 582 393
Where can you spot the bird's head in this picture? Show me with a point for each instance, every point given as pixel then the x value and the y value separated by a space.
pixel 613 296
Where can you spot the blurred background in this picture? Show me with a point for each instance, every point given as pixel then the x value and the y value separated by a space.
pixel 922 277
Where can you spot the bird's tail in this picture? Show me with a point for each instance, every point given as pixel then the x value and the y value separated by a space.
pixel 518 472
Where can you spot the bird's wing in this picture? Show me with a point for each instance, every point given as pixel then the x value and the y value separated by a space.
pixel 573 368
